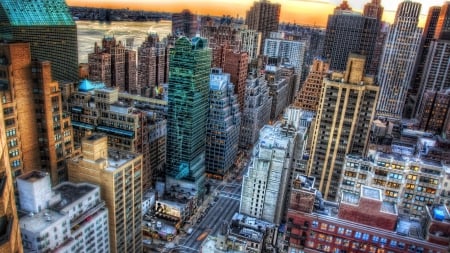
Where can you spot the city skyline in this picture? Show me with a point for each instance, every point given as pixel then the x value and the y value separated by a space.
pixel 236 8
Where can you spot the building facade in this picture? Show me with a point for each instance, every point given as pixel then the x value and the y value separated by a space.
pixel 184 23
pixel 256 111
pixel 34 20
pixel 223 125
pixel 153 66
pixel 265 184
pixel 190 63
pixel 398 60
pixel 118 173
pixel 263 17
pixel 349 32
pixel 346 110
pixel 309 95
pixel 68 218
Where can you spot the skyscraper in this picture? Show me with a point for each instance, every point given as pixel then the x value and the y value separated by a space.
pixel 435 74
pixel 10 220
pixel 308 97
pixel 224 121
pixel 346 110
pixel 184 24
pixel 398 60
pixel 263 17
pixel 286 52
pixel 373 9
pixel 236 64
pixel 349 32
pixel 49 28
pixel 39 134
pixel 118 173
pixel 152 66
pixel 190 63
pixel 427 37
pixel 114 65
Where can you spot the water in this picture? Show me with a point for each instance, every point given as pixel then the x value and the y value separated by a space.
pixel 90 32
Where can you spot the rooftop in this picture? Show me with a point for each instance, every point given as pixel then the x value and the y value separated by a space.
pixel 32 176
pixel 370 192
pixel 37 223
pixel 70 193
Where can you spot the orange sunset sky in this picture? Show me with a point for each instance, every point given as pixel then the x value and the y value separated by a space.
pixel 299 11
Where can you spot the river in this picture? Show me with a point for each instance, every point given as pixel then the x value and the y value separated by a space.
pixel 90 32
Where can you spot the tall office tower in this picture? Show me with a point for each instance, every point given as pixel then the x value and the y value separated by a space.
pixel 223 125
pixel 113 64
pixel 286 52
pixel 157 125
pixel 53 125
pixel 8 214
pixel 398 60
pixel 349 32
pixel 250 42
pixel 184 23
pixel 346 110
pixel 39 133
pixel 49 28
pixel 188 105
pixel 152 66
pixel 436 75
pixel 428 35
pixel 256 111
pixel 118 173
pixel 67 218
pixel 433 111
pixel 373 9
pixel 265 184
pixel 263 17
pixel 236 64
pixel 309 96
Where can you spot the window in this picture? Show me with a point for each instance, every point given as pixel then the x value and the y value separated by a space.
pixel 393 243
pixel 323 226
pixel 348 232
pixel 365 237
pixel 358 235
pixel 315 224
pixel 341 230
pixel 375 239
pixel 331 228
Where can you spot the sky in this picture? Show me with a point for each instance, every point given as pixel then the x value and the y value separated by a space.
pixel 311 12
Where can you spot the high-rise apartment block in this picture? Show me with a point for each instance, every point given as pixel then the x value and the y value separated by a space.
pixel 39 133
pixel 349 32
pixel 68 218
pixel 286 52
pixel 223 125
pixel 184 23
pixel 263 17
pixel 279 90
pixel 236 64
pixel 265 184
pixel 346 110
pixel 190 63
pixel 256 111
pixel 153 66
pixel 118 173
pixel 308 97
pixel 49 28
pixel 114 65
pixel 8 213
pixel 398 60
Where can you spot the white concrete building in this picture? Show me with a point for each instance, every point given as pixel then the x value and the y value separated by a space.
pixel 70 218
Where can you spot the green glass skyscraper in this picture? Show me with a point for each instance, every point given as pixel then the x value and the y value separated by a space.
pixel 190 63
pixel 49 28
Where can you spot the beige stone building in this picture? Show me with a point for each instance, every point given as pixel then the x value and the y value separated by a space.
pixel 119 175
